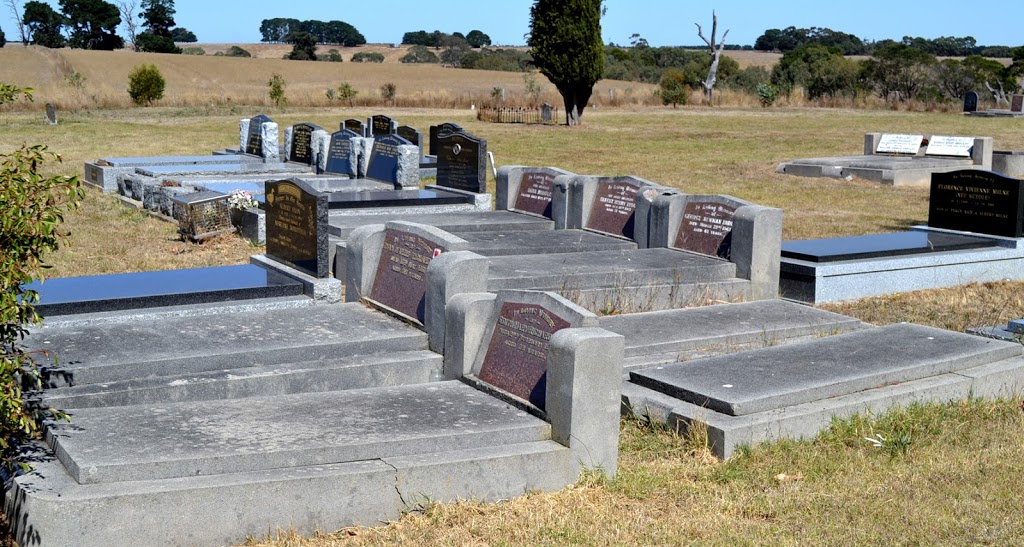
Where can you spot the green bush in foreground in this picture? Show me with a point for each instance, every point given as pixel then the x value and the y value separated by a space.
pixel 145 84
pixel 31 211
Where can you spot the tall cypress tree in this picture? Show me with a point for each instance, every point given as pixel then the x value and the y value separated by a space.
pixel 158 18
pixel 565 42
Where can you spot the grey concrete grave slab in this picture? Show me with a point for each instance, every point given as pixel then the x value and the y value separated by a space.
pixel 541 242
pixel 457 222
pixel 214 169
pixel 773 378
pixel 108 352
pixel 231 436
pixel 766 321
pixel 104 173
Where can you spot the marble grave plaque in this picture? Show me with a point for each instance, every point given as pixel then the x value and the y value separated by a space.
pixel 895 143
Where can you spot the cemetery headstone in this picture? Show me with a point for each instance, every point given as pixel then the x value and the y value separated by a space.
pixel 354 126
pixel 342 155
pixel 518 340
pixel 1017 103
pixel 411 134
pixel 437 130
pixel 254 142
pixel 613 208
pixel 971 101
pixel 706 228
pixel 977 201
pixel 545 112
pixel 51 113
pixel 940 145
pixel 386 160
pixel 536 191
pixel 302 143
pixel 894 143
pixel 381 125
pixel 297 233
pixel 462 162
pixel 400 282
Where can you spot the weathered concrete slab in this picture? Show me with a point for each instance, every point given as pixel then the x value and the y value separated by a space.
pixel 328 374
pixel 232 436
pixel 773 378
pixel 541 242
pixel 765 321
pixel 455 222
pixel 213 169
pixel 175 345
pixel 631 268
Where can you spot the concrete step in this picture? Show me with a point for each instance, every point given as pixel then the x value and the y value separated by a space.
pixel 341 225
pixel 173 440
pixel 175 345
pixel 51 508
pixel 765 322
pixel 776 377
pixel 329 374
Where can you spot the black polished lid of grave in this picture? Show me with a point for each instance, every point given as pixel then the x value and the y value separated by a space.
pixel 100 293
pixel 881 245
pixel 394 198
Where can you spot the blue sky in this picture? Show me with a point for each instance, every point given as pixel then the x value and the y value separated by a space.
pixel 664 22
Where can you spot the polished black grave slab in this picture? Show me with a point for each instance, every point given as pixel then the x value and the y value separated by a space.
pixel 394 198
pixel 881 245
pixel 100 293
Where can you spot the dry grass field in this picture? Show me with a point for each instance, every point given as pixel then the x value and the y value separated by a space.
pixel 959 481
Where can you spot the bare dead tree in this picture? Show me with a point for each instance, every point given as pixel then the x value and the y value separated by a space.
pixel 18 18
pixel 130 20
pixel 716 54
pixel 998 94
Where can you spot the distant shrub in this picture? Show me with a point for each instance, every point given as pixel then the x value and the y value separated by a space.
pixel 368 57
pixel 145 84
pixel 235 51
pixel 419 54
pixel 766 94
pixel 276 85
pixel 332 56
pixel 193 51
pixel 673 88
pixel 388 92
pixel 347 93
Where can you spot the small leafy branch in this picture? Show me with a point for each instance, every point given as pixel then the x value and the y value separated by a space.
pixel 31 211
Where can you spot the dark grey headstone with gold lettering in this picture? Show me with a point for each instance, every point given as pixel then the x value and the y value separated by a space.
pixel 297 226
pixel 977 201
pixel 254 142
pixel 381 125
pixel 301 150
pixel 462 162
pixel 355 126
pixel 413 135
pixel 438 130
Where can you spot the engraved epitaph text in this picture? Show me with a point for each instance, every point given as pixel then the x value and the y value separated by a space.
pixel 517 356
pixel 296 227
pixel 977 201
pixel 400 282
pixel 706 228
pixel 612 212
pixel 535 191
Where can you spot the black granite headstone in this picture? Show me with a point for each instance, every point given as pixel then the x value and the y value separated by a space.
pixel 381 125
pixel 400 282
pixel 977 201
pixel 354 126
pixel 517 354
pixel 881 245
pixel 302 143
pixel 254 142
pixel 339 153
pixel 971 102
pixel 462 162
pixel 613 209
pixel 384 158
pixel 438 130
pixel 297 226
pixel 410 134
pixel 706 228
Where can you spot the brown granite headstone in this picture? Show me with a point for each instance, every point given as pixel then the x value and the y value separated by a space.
pixel 535 193
pixel 517 354
pixel 400 283
pixel 1017 103
pixel 613 208
pixel 706 228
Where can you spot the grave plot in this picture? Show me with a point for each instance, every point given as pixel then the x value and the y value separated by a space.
pixel 796 390
pixel 105 172
pixel 313 418
pixel 900 159
pixel 974 233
